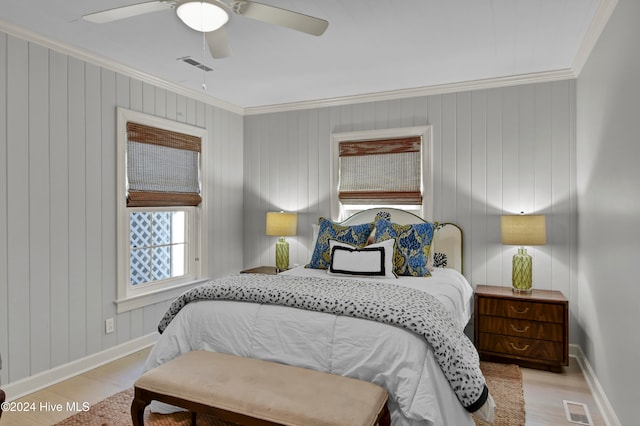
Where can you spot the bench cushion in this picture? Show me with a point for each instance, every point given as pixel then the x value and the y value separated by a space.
pixel 266 390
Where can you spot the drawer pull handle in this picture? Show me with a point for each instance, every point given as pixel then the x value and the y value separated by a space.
pixel 517 348
pixel 518 311
pixel 519 330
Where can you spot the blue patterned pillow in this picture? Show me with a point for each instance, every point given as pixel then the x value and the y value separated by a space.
pixel 413 243
pixel 356 235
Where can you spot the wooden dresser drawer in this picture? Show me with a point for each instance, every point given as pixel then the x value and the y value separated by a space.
pixel 522 309
pixel 541 350
pixel 522 328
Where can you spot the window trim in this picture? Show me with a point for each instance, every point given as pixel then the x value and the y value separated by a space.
pixel 424 132
pixel 128 298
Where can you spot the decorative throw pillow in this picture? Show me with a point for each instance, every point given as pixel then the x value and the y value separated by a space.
pixel 381 215
pixel 356 235
pixel 439 260
pixel 375 260
pixel 413 243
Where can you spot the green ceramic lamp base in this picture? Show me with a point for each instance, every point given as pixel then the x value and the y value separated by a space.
pixel 522 272
pixel 282 254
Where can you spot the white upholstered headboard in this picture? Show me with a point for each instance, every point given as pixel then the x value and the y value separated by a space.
pixel 446 240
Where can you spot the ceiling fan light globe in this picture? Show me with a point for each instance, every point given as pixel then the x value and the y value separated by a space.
pixel 203 15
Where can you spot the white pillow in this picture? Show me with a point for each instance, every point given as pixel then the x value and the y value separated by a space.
pixel 374 260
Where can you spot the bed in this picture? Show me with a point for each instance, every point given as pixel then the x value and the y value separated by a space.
pixel 332 320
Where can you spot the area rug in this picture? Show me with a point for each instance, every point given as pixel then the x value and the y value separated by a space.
pixel 505 385
pixel 504 382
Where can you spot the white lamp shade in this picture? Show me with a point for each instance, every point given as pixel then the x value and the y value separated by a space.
pixel 281 224
pixel 523 230
pixel 203 15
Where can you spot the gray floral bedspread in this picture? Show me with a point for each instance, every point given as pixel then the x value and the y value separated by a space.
pixel 411 309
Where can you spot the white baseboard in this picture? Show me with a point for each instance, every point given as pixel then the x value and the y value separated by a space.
pixel 602 401
pixel 41 380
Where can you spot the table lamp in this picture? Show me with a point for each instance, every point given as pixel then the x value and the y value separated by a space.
pixel 523 230
pixel 281 224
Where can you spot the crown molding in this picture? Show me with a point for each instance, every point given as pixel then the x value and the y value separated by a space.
pixel 109 64
pixel 438 89
pixel 599 21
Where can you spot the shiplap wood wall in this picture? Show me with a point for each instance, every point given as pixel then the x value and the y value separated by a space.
pixel 58 198
pixel 496 151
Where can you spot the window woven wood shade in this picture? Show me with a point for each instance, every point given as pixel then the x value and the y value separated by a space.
pixel 385 171
pixel 163 167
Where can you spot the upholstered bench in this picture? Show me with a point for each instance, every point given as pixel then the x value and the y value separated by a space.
pixel 254 392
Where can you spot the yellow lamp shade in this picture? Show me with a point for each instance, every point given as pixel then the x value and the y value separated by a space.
pixel 281 224
pixel 523 230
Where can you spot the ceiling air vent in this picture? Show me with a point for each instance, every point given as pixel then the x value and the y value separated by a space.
pixel 189 60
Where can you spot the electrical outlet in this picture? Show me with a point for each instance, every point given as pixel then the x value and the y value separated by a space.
pixel 109 326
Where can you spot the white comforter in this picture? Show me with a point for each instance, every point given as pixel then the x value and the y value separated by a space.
pixel 397 359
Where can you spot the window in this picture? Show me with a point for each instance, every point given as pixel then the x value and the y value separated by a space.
pixel 378 168
pixel 158 245
pixel 159 208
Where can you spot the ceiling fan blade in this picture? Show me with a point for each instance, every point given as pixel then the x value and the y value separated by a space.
pixel 128 11
pixel 282 17
pixel 218 43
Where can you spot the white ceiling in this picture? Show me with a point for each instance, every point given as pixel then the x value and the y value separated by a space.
pixel 371 46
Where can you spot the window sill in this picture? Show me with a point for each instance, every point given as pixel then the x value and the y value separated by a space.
pixel 153 297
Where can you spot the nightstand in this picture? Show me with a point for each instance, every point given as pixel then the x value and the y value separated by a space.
pixel 531 330
pixel 269 270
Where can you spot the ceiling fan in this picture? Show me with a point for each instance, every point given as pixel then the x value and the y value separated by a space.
pixel 210 16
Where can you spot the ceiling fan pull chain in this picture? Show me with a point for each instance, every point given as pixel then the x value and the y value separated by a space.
pixel 204 73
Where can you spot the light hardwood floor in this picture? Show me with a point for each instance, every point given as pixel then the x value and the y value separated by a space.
pixel 543 391
pixel 92 387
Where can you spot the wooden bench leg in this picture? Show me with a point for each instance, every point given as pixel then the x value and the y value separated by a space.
pixel 385 417
pixel 138 405
pixel 2 397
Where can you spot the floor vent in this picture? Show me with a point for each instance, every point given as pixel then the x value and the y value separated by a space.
pixel 577 412
pixel 189 60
